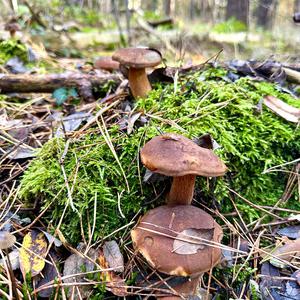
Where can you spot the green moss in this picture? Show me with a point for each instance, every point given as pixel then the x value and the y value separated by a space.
pixel 231 25
pixel 199 103
pixel 12 48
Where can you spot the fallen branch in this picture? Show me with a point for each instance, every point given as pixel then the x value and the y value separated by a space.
pixel 27 83
pixel 292 75
pixel 166 21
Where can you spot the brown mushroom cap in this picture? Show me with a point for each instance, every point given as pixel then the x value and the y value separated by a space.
pixel 178 253
pixel 106 63
pixel 175 155
pixel 137 57
pixel 7 240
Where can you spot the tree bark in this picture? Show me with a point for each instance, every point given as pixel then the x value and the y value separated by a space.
pixel 265 13
pixel 25 83
pixel 238 9
pixel 297 6
pixel 167 8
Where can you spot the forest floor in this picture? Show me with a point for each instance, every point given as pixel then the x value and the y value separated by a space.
pixel 73 186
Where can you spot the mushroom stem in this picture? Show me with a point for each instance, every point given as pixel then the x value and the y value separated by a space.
pixel 182 190
pixel 184 290
pixel 138 82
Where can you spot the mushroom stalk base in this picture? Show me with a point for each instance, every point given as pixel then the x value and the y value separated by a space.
pixel 138 82
pixel 184 290
pixel 182 190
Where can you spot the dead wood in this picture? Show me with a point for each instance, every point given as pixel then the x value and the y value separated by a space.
pixel 166 21
pixel 47 83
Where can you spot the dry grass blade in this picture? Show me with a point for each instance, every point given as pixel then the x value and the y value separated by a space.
pixel 107 139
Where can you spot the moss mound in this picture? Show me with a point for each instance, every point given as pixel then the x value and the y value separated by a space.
pixel 12 48
pixel 203 102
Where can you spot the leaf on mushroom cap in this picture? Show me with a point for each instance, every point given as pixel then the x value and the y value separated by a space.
pixel 157 233
pixel 7 240
pixel 137 57
pixel 175 155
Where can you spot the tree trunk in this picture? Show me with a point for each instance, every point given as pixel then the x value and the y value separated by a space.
pixel 297 6
pixel 167 7
pixel 265 13
pixel 238 9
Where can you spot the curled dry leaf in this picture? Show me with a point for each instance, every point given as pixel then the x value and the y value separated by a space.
pixel 207 141
pixel 14 259
pixel 114 282
pixel 33 252
pixel 292 289
pixel 182 246
pixel 282 109
pixel 47 275
pixel 292 232
pixel 52 239
pixel 270 288
pixel 75 264
pixel 113 256
pixel 289 252
pixel 229 257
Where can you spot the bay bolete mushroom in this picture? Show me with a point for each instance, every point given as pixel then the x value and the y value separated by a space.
pixel 12 26
pixel 106 63
pixel 175 155
pixel 137 60
pixel 180 240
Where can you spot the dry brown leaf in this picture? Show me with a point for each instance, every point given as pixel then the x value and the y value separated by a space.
pixel 113 256
pixel 282 109
pixel 114 282
pixel 184 247
pixel 288 252
pixel 75 264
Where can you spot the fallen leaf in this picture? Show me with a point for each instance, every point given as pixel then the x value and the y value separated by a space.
pixel 14 259
pixel 16 66
pixel 270 288
pixel 162 75
pixel 292 290
pixel 297 276
pixel 151 177
pixel 75 264
pixel 292 232
pixel 72 122
pixel 113 282
pixel 184 247
pixel 52 239
pixel 130 122
pixel 207 141
pixel 48 274
pixel 33 252
pixel 22 152
pixel 282 109
pixel 228 256
pixel 113 256
pixel 288 252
